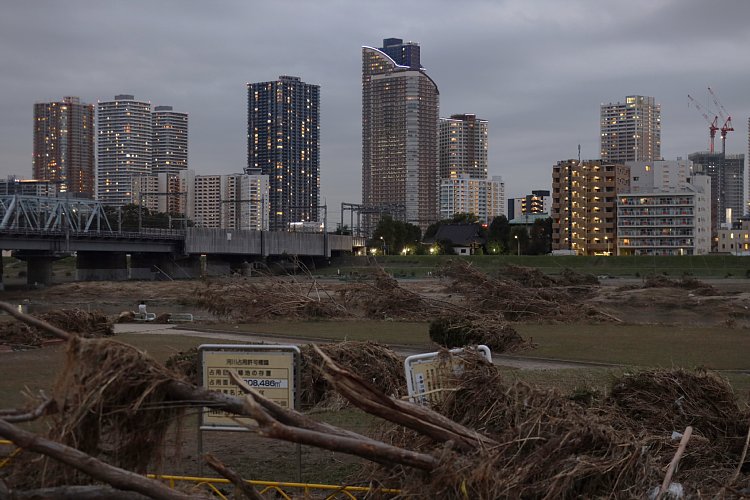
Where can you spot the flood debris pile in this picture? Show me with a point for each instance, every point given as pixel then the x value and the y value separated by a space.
pixel 186 364
pixel 490 437
pixel 384 298
pixel 491 330
pixel 525 295
pixel 112 404
pixel 86 323
pixel 662 401
pixel 374 362
pixel 547 446
pixel 685 282
pixel 246 300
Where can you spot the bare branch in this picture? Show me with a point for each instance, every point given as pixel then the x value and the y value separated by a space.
pixel 421 419
pixel 94 492
pixel 35 322
pixel 102 471
pixel 247 489
pixel 370 449
pixel 290 417
pixel 47 407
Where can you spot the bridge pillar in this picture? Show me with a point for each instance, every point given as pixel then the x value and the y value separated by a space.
pixel 101 266
pixel 39 270
pixel 154 266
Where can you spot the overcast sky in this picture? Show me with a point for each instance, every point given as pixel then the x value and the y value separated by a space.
pixel 538 70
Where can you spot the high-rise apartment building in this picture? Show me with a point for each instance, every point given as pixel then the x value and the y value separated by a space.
pixel 400 111
pixel 123 147
pixel 482 197
pixel 727 174
pixel 584 205
pixel 463 147
pixel 169 143
pixel 64 145
pixel 234 201
pixel 283 142
pixel 631 130
pixel 746 196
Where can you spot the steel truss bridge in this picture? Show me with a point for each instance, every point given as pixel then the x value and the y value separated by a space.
pixel 41 213
pixel 41 229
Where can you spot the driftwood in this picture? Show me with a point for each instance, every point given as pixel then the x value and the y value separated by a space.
pixel 346 442
pixel 17 416
pixel 527 443
pixel 95 492
pixel 114 476
pixel 246 489
pixel 423 420
pixel 673 464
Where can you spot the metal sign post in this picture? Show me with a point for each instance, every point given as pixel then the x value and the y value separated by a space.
pixel 272 370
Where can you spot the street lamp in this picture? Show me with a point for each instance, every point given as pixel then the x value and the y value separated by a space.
pixel 518 244
pixel 382 244
pixel 606 239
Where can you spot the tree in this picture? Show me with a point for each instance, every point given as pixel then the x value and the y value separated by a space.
pixel 540 237
pixel 498 235
pixel 394 236
pixel 129 216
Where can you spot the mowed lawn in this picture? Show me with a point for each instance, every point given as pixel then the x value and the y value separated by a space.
pixel 642 345
pixel 636 345
pixel 387 332
pixel 610 344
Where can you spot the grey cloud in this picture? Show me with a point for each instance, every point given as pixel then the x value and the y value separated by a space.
pixel 538 70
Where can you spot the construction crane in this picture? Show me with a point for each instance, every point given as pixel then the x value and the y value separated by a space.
pixel 712 124
pixel 727 127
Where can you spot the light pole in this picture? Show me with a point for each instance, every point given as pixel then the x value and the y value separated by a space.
pixel 518 245
pixel 606 239
pixel 382 244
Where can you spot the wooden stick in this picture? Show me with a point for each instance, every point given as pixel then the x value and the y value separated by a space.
pixel 48 406
pixel 675 461
pixel 742 461
pixel 247 489
pixel 102 471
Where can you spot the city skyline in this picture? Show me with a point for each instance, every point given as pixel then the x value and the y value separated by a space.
pixel 537 71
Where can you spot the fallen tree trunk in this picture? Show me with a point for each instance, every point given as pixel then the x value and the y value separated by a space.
pixel 118 478
pixel 95 492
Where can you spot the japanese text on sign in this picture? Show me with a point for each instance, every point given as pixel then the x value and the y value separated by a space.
pixel 270 372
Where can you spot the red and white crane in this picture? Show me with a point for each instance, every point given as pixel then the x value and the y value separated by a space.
pixel 712 124
pixel 727 127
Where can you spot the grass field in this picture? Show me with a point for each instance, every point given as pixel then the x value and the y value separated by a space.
pixel 386 332
pixel 633 345
pixel 650 345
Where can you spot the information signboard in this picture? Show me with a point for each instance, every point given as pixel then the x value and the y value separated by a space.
pixel 271 370
pixel 428 374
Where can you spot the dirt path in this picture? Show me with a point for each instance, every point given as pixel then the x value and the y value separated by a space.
pixel 510 361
